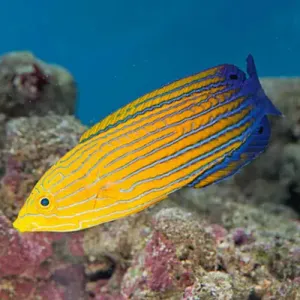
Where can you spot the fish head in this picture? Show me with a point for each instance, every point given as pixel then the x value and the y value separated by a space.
pixel 41 210
pixel 233 76
pixel 36 211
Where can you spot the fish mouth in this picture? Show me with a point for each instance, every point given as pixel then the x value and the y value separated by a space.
pixel 22 226
pixel 27 224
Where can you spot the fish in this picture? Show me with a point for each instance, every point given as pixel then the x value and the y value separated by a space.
pixel 192 132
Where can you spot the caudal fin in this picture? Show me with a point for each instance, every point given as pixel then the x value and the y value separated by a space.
pixel 269 107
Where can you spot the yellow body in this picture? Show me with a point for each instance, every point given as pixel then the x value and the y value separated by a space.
pixel 130 161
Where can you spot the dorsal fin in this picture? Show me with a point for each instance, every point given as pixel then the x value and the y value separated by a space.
pixel 171 92
pixel 269 107
pixel 251 68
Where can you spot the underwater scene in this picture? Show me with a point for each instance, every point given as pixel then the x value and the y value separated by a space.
pixel 150 150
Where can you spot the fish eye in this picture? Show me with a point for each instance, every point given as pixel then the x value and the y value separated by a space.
pixel 233 76
pixel 260 130
pixel 45 202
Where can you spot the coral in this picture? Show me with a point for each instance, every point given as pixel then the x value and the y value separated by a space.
pixel 259 242
pixel 214 285
pixel 177 249
pixel 20 255
pixel 30 82
pixel 31 265
pixel 30 269
pixel 29 86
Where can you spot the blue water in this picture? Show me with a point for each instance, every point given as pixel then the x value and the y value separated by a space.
pixel 119 50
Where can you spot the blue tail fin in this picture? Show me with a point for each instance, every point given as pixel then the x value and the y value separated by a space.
pixel 269 107
pixel 255 144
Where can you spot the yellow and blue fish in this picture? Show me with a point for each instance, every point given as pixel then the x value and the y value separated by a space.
pixel 192 132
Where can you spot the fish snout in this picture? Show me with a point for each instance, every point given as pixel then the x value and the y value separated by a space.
pixel 22 225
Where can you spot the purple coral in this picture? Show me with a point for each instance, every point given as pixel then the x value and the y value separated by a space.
pixel 29 87
pixel 30 81
pixel 241 237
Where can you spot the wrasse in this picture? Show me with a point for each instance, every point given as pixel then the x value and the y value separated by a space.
pixel 192 132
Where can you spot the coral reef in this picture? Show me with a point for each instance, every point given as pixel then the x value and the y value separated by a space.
pixel 239 239
pixel 29 86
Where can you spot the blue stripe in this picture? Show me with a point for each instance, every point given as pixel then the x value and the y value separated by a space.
pixel 197 159
pixel 202 142
pixel 247 148
pixel 138 140
pixel 159 105
pixel 178 88
pixel 99 161
pixel 216 168
pixel 190 119
pixel 175 113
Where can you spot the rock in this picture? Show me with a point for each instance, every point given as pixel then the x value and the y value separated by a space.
pixel 29 261
pixel 214 285
pixel 177 250
pixel 21 255
pixel 256 237
pixel 30 86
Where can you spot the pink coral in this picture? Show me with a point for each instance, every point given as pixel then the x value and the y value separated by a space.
pixel 75 244
pixel 218 232
pixel 164 269
pixel 159 261
pixel 19 288
pixel 21 255
pixel 37 272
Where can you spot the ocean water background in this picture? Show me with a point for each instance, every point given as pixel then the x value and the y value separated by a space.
pixel 119 50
